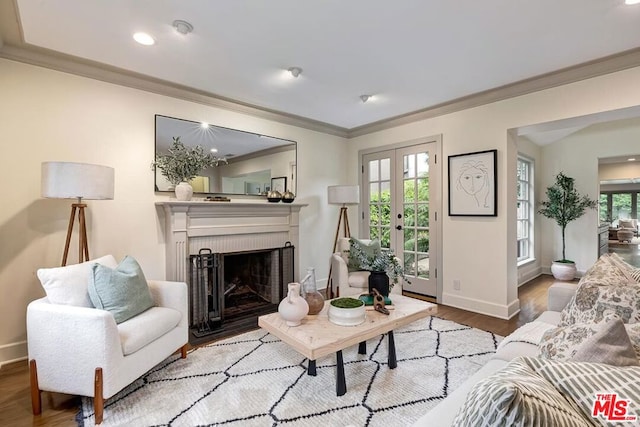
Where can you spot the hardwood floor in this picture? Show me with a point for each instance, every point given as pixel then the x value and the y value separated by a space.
pixel 61 410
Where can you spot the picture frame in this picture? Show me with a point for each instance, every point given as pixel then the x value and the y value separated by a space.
pixel 279 183
pixel 473 184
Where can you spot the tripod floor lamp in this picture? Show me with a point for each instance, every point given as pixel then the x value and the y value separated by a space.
pixel 343 195
pixel 66 180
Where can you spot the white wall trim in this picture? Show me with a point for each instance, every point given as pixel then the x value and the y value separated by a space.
pixel 505 312
pixel 13 352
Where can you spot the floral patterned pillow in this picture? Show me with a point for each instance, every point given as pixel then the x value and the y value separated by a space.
pixel 603 291
pixel 633 271
pixel 604 342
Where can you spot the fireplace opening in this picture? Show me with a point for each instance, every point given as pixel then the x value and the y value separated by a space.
pixel 228 291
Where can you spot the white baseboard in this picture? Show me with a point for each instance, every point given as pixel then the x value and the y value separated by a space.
pixel 13 352
pixel 529 275
pixel 482 307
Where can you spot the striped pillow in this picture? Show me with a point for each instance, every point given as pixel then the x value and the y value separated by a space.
pixel 518 396
pixel 581 382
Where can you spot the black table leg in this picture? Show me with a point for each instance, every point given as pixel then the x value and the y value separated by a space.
pixel 362 348
pixel 311 368
pixel 341 384
pixel 392 352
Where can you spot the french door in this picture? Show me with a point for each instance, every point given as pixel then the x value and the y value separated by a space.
pixel 400 194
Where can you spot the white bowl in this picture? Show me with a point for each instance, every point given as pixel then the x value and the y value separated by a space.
pixel 347 316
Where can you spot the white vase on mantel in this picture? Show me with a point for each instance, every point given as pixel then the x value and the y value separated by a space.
pixel 184 191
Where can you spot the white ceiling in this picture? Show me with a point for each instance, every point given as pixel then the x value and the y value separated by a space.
pixel 410 54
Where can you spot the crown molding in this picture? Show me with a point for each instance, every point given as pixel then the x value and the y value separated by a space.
pixel 606 65
pixel 82 67
pixel 12 47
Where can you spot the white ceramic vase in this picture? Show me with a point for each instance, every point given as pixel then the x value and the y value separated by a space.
pixel 563 270
pixel 293 308
pixel 184 191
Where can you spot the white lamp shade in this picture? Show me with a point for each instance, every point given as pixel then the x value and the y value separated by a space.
pixel 67 180
pixel 343 194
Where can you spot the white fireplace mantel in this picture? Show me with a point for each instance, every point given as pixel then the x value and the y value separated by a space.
pixel 225 227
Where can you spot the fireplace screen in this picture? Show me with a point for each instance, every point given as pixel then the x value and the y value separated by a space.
pixel 237 287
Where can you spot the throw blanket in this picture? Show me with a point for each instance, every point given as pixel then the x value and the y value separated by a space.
pixel 530 333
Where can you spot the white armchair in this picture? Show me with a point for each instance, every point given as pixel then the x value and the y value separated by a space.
pixel 350 283
pixel 82 351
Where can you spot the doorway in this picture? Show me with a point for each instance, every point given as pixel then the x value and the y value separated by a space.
pixel 400 199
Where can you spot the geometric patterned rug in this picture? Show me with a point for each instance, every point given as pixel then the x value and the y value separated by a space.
pixel 254 379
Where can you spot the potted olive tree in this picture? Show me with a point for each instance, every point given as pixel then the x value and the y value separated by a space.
pixel 564 204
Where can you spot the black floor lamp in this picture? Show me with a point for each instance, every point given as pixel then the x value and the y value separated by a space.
pixel 67 180
pixel 343 195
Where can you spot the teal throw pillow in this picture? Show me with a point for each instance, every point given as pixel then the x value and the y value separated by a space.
pixel 123 290
pixel 370 249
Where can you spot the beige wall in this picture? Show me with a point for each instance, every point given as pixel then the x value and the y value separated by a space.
pixel 629 170
pixel 577 156
pixel 48 115
pixel 480 251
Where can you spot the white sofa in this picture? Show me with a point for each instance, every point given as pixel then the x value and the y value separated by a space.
pixel 521 343
pixel 81 350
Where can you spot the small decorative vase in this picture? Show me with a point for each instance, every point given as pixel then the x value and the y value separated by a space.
pixel 288 197
pixel 311 294
pixel 293 308
pixel 274 196
pixel 380 281
pixel 184 191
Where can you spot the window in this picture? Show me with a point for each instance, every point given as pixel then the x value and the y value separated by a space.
pixel 616 205
pixel 525 216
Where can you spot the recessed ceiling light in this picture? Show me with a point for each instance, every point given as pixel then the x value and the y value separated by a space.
pixel 144 38
pixel 183 27
pixel 295 71
pixel 632 1
pixel 631 159
pixel 214 150
pixel 204 125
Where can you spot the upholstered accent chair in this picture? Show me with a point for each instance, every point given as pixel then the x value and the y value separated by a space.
pixel 629 225
pixel 351 283
pixel 78 349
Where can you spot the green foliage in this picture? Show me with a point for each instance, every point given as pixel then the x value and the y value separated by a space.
pixel 182 163
pixel 423 243
pixel 347 302
pixel 380 211
pixel 565 204
pixel 383 261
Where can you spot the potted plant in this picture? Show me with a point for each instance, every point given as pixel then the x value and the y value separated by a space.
pixel 181 164
pixel 346 311
pixel 564 205
pixel 384 266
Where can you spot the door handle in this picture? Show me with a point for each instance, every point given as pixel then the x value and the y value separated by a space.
pixel 398 227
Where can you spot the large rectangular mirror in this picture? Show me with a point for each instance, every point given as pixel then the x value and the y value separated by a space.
pixel 253 159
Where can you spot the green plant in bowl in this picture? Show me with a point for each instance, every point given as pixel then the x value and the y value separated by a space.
pixel 347 302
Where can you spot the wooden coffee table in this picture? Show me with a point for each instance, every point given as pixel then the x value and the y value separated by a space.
pixel 317 337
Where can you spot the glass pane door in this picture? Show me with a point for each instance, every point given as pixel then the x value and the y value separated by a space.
pixel 397 195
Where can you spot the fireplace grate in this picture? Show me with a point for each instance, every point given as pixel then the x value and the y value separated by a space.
pixel 205 302
pixel 235 287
